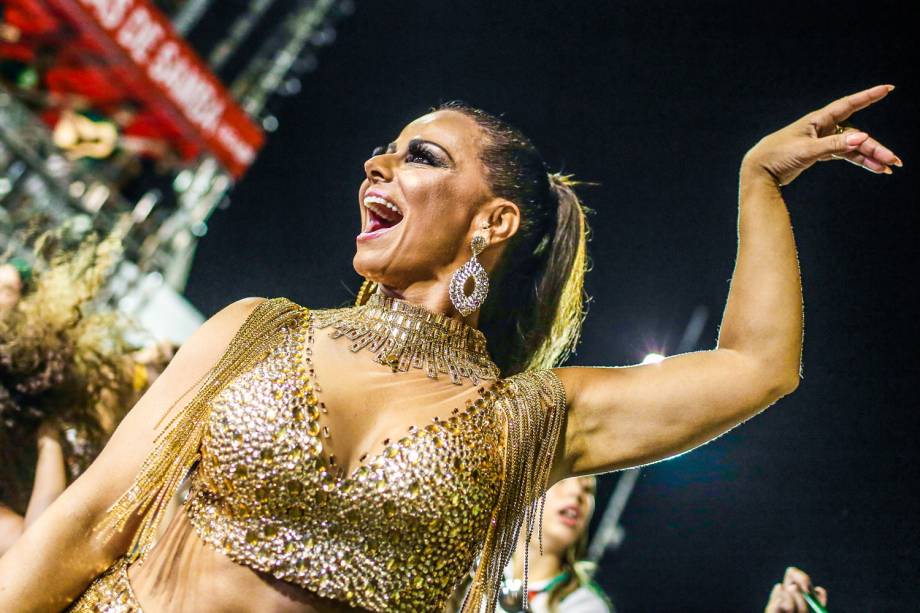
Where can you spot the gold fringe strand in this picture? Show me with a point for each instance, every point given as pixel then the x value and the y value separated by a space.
pixel 532 405
pixel 367 288
pixel 176 447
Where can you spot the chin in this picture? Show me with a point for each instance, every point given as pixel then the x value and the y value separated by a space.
pixel 365 266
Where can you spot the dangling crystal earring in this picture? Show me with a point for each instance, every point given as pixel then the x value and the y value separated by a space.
pixel 471 268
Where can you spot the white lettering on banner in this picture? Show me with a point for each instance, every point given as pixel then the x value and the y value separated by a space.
pixel 140 34
pixel 188 87
pixel 109 13
pixel 240 149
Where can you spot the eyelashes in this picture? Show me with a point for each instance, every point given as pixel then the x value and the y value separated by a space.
pixel 416 153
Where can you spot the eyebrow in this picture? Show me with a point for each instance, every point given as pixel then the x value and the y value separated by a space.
pixel 419 141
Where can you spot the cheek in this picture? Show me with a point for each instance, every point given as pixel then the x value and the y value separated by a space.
pixel 440 217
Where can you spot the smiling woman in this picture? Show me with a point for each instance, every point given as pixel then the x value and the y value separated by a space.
pixel 362 458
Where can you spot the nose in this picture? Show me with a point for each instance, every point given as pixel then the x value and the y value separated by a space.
pixel 571 489
pixel 378 168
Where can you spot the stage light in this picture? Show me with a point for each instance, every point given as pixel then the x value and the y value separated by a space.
pixel 183 180
pixel 652 358
pixel 269 123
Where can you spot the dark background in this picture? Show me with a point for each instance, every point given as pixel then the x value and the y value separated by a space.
pixel 658 101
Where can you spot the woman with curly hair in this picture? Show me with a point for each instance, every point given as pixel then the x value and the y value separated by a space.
pixel 65 378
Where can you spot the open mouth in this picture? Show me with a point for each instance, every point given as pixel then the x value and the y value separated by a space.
pixel 569 515
pixel 382 215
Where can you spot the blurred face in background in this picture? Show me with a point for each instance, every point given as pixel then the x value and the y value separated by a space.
pixel 10 287
pixel 569 506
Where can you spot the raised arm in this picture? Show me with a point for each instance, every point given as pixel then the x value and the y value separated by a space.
pixel 50 475
pixel 58 555
pixel 629 416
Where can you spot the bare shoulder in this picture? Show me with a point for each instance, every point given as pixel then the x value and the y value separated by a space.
pixel 219 329
pixel 234 314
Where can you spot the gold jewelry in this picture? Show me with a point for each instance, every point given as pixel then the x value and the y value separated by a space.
pixel 402 335
pixel 367 288
pixel 843 126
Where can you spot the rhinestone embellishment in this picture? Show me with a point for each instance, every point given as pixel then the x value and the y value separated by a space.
pixel 464 303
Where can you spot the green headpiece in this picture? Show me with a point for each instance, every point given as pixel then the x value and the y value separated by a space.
pixel 23 267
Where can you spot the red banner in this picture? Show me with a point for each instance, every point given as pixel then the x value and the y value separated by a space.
pixel 160 65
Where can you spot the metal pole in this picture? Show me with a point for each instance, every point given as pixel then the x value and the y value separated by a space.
pixel 610 533
pixel 189 16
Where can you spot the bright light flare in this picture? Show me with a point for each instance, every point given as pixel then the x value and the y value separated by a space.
pixel 652 358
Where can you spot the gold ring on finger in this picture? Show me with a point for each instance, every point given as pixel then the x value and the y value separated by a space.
pixel 843 126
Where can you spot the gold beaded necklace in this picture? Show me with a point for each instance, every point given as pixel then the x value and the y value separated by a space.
pixel 403 335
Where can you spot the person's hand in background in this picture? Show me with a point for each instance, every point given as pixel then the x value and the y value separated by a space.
pixel 787 597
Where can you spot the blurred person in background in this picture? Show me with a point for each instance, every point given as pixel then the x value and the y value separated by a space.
pixel 789 595
pixel 560 579
pixel 66 376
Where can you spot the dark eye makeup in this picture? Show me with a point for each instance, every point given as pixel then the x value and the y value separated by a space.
pixel 418 152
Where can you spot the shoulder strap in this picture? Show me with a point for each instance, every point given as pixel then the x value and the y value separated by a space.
pixel 176 447
pixel 532 407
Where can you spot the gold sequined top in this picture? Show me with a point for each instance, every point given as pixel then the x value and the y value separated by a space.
pixel 400 531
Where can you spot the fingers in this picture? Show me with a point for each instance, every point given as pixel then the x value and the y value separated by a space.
pixel 874 150
pixel 795 583
pixel 797 577
pixel 858 148
pixel 786 599
pixel 780 601
pixel 821 593
pixel 842 108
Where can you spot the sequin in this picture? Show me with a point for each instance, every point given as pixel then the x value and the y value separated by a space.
pixel 366 516
pixel 109 593
pixel 401 531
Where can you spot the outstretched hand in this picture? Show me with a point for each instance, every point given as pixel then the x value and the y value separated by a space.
pixel 820 136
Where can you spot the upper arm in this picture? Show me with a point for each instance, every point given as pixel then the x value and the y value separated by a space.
pixel 628 416
pixel 58 544
pixel 115 468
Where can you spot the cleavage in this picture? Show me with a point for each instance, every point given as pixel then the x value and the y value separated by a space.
pixel 367 406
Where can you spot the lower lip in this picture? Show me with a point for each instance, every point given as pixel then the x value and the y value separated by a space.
pixel 368 236
pixel 568 521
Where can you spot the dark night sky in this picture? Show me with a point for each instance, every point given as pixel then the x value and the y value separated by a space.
pixel 658 101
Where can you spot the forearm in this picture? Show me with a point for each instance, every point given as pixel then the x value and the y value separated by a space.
pixel 763 318
pixel 50 478
pixel 11 527
pixel 56 558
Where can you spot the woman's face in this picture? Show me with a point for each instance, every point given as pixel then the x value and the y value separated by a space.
pixel 433 176
pixel 569 505
pixel 10 287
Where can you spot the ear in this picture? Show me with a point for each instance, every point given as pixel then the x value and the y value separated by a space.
pixel 503 217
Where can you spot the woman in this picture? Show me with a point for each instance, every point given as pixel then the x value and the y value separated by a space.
pixel 333 469
pixel 560 578
pixel 65 376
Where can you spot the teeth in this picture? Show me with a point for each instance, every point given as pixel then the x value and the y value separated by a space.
pixel 369 200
